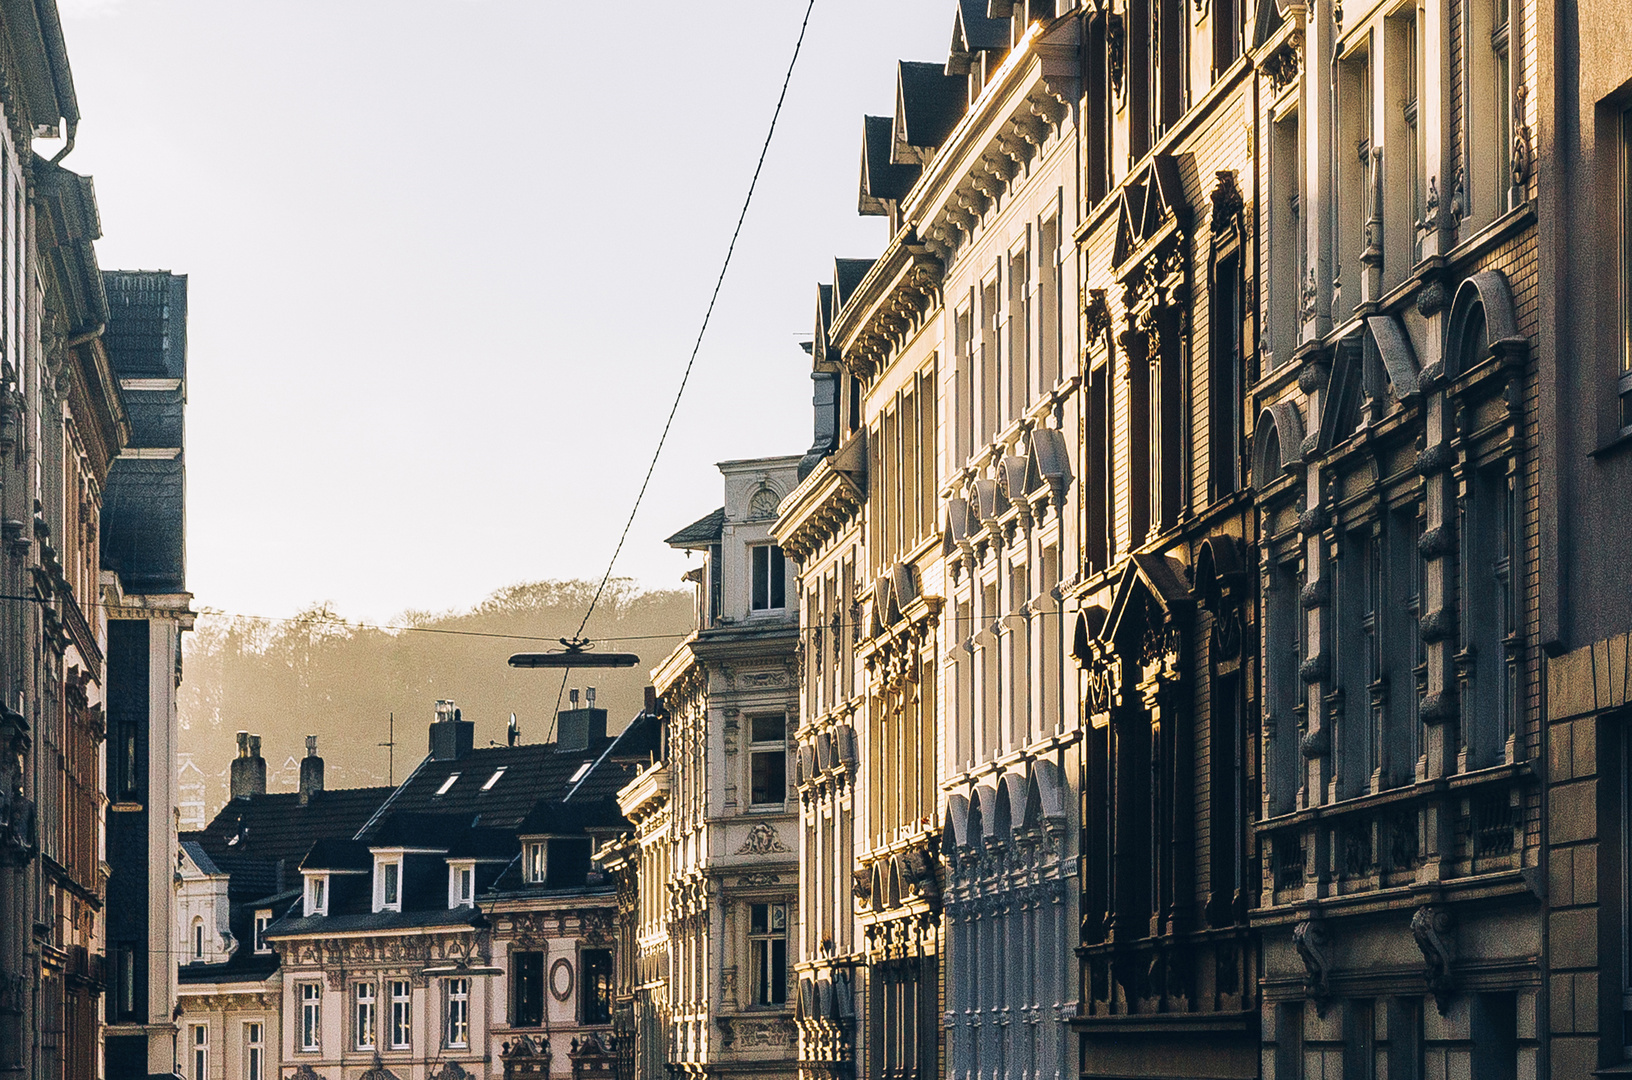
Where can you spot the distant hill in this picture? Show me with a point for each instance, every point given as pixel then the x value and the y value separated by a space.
pixel 317 674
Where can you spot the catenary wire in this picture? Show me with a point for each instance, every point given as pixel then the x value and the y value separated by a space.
pixel 696 347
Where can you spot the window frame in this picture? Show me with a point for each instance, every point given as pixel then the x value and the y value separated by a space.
pixel 759 748
pixel 775 584
pixel 456 1014
pixel 536 861
pixel 365 1014
pixel 254 1050
pixel 317 895
pixel 402 1014
pixel 199 1044
pixel 1623 215
pixel 309 997
pixel 765 988
pixel 589 989
pixel 263 919
pixel 519 985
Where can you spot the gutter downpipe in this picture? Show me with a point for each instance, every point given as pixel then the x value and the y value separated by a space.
pixel 68 148
pixel 100 328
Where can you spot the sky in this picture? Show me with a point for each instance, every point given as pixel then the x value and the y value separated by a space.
pixel 447 260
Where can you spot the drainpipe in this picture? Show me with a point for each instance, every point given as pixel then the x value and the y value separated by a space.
pixel 95 331
pixel 67 147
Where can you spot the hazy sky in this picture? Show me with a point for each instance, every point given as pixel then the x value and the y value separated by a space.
pixel 447 259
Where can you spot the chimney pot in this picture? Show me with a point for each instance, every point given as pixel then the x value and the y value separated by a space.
pixel 248 772
pixel 311 746
pixel 452 736
pixel 311 771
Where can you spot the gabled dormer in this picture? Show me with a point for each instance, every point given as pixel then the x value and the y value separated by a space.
pixel 884 183
pixel 202 907
pixel 979 44
pixel 930 99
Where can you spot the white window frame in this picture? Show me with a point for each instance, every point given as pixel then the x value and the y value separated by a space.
pixel 770 606
pixel 461 884
pixel 254 1050
pixel 263 919
pixel 317 895
pixel 762 979
pixel 402 1014
pixel 536 867
pixel 199 1044
pixel 388 883
pixel 365 1015
pixel 456 1014
pixel 309 995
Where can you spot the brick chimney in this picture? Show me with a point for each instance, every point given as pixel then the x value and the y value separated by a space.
pixel 248 768
pixel 311 771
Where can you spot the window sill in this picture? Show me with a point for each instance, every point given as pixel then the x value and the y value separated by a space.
pixel 1613 448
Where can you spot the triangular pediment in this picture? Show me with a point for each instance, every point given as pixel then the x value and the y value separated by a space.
pixel 1152 592
pixel 1151 206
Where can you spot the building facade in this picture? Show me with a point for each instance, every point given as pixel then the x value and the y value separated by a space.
pixel 715 838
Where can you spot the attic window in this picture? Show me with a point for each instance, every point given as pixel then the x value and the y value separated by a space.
pixel 491 780
pixel 582 769
pixel 446 784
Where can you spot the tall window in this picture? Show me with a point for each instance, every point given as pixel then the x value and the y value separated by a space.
pixel 1353 152
pixel 311 1016
pixel 1018 391
pixel 1488 614
pixel 1501 107
pixel 991 319
pixel 201 1052
pixel 526 989
pixel 456 1029
pixel 1285 265
pixel 1226 34
pixel 595 986
pixel 1402 165
pixel 768 761
pixel 254 1052
pixel 1625 216
pixel 1356 658
pixel 390 881
pixel 768 948
pixel 317 901
pixel 198 939
pixel 1049 303
pixel 1401 642
pixel 964 384
pixel 363 1015
pixel 402 1015
pixel 537 861
pixel 1224 420
pixel 1282 692
pixel 263 919
pixel 770 578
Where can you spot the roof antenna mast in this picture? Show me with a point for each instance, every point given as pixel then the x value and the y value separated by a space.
pixel 391 751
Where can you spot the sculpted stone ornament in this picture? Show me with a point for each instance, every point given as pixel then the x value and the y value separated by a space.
pixel 306 1072
pixel 1096 313
pixel 1309 938
pixel 1431 927
pixel 762 840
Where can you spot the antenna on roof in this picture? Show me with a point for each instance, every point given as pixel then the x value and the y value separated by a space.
pixel 391 751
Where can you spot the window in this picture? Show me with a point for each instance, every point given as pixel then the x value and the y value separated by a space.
pixel 1403 149
pixel 402 1022
pixel 311 1016
pixel 767 760
pixel 1487 676
pixel 491 780
pixel 1356 653
pixel 595 986
pixel 1224 414
pixel 526 989
pixel 1283 690
pixel 126 758
pixel 263 919
pixel 768 946
pixel 1354 142
pixel 317 895
pixel 1018 389
pixel 363 1015
pixel 448 783
pixel 582 771
pixel 537 860
pixel 456 1030
pixel 963 404
pixel 390 873
pixel 461 885
pixel 1625 216
pixel 198 939
pixel 254 1052
pixel 770 578
pixel 201 1052
pixel 1049 303
pixel 1226 34
pixel 991 318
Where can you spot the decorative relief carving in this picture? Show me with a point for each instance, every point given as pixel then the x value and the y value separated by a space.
pixel 762 840
pixel 1096 313
pixel 1282 66
pixel 1309 938
pixel 1431 927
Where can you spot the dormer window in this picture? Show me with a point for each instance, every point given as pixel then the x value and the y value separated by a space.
pixel 317 895
pixel 461 884
pixel 536 862
pixel 448 783
pixel 388 884
pixel 263 919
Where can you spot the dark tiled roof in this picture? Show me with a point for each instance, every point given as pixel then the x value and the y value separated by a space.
pixel 338 853
pixel 144 523
pixel 579 815
pixel 294 923
pixel 929 103
pixel 847 274
pixel 245 966
pixel 147 330
pixel 882 181
pixel 201 858
pixel 700 533
pixel 276 828
pixel 975 31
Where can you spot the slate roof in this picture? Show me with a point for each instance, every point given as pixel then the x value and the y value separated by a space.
pixel 201 858
pixel 147 333
pixel 975 31
pixel 881 179
pixel 246 965
pixel 295 923
pixel 847 274
pixel 704 531
pixel 275 829
pixel 929 103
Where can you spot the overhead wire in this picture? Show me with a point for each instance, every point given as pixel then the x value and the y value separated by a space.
pixel 696 347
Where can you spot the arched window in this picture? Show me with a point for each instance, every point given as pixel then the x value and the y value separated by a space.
pixel 198 938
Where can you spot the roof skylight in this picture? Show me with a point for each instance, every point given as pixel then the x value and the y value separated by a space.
pixel 491 780
pixel 446 784
pixel 582 769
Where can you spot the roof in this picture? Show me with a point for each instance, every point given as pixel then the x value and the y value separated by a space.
pixel 975 31
pixel 881 180
pixel 555 817
pixel 294 923
pixel 276 828
pixel 201 858
pixel 531 772
pixel 704 531
pixel 147 334
pixel 847 274
pixel 246 965
pixel 929 103
pixel 338 853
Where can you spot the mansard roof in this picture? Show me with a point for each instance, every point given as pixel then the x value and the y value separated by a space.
pixel 929 102
pixel 882 180
pixel 701 533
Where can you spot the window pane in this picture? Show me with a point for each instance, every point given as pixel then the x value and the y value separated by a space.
pixel 779 578
pixel 761 578
pixel 770 729
pixel 769 783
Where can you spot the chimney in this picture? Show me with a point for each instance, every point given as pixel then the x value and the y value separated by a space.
pixel 452 736
pixel 311 771
pixel 248 768
pixel 576 729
